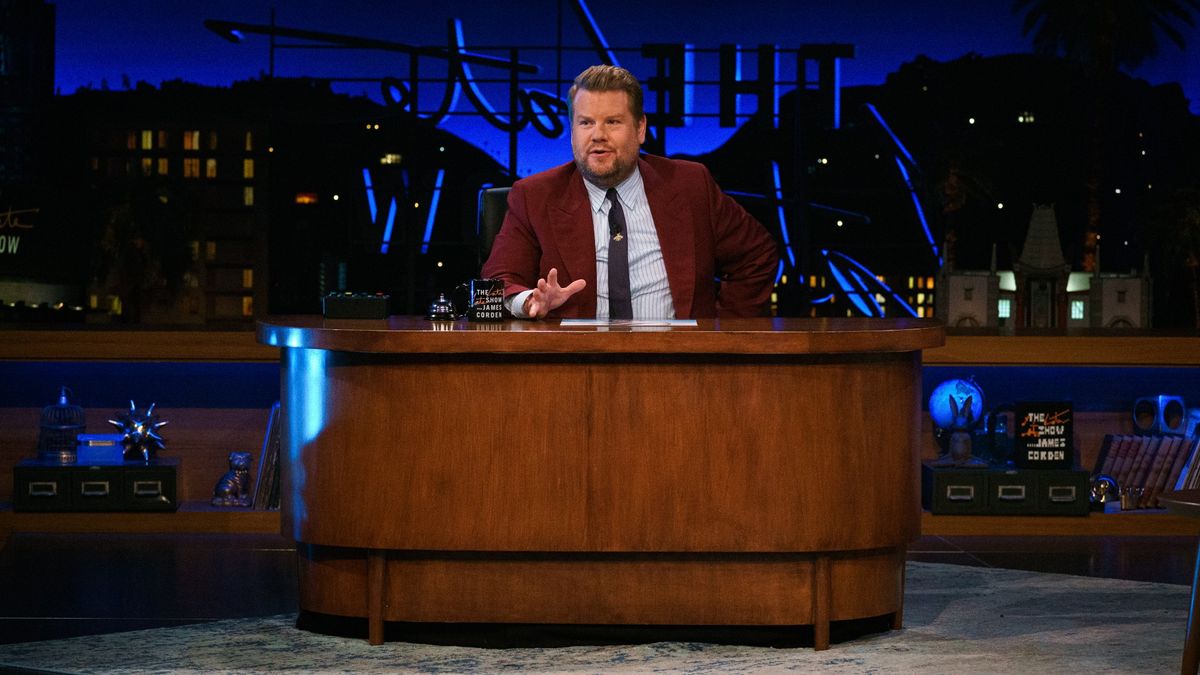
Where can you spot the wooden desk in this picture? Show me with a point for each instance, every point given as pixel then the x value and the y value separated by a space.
pixel 1187 503
pixel 742 472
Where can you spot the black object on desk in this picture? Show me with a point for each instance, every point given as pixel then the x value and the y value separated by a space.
pixel 356 305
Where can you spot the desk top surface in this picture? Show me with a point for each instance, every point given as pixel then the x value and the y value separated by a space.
pixel 416 335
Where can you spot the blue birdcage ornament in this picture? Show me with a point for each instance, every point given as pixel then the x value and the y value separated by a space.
pixel 61 423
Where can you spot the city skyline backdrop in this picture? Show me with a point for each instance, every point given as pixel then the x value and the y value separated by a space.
pixel 119 44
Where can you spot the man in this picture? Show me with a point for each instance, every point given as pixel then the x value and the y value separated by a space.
pixel 692 252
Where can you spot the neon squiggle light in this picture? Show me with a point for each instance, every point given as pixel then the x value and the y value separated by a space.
pixel 370 192
pixel 783 227
pixel 912 192
pixel 433 206
pixel 895 138
pixel 856 281
pixel 387 230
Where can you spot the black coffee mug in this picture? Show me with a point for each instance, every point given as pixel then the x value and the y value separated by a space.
pixel 485 299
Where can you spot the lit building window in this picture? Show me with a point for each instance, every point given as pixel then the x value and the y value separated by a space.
pixel 210 168
pixel 1077 309
pixel 191 167
pixel 249 141
pixel 390 158
pixel 247 306
pixel 212 140
pixel 306 198
pixel 1004 308
pixel 247 168
pixel 247 278
pixel 210 251
pixel 147 139
pixel 131 140
pixel 248 196
pixel 162 139
pixel 147 166
pixel 162 166
pixel 929 283
pixel 191 139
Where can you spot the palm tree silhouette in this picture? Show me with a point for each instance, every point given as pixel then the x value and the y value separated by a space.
pixel 1104 36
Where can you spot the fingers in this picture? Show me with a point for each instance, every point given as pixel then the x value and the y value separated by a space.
pixel 573 288
pixel 549 295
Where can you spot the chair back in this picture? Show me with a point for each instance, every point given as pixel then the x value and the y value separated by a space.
pixel 493 204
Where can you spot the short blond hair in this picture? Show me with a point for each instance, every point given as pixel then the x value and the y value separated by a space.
pixel 608 78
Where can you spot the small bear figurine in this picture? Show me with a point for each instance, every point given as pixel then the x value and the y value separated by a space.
pixel 233 489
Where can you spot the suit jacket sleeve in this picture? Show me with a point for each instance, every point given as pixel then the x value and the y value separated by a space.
pixel 746 256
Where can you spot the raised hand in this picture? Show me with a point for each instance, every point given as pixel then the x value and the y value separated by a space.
pixel 549 295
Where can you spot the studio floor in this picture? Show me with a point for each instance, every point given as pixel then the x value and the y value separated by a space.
pixel 56 586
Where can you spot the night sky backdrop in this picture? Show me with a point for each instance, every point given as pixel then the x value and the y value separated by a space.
pixel 155 40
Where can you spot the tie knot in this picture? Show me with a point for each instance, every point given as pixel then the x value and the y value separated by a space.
pixel 611 195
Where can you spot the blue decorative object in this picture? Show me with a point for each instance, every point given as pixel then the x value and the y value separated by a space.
pixel 956 406
pixel 140 433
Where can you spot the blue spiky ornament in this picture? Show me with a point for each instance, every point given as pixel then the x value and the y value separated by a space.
pixel 140 432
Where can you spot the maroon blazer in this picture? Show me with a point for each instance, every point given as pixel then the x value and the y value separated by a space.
pixel 720 261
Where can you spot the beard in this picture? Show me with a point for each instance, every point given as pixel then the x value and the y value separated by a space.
pixel 609 175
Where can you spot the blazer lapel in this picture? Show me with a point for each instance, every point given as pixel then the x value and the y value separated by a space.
pixel 575 239
pixel 675 237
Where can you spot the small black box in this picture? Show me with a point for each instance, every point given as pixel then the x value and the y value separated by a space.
pixel 356 306
pixel 38 487
pixel 1012 493
pixel 954 490
pixel 126 486
pixel 1064 493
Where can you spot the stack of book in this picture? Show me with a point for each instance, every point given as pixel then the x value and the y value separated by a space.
pixel 1155 463
pixel 266 483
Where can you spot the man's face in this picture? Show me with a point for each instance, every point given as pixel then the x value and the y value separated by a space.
pixel 604 136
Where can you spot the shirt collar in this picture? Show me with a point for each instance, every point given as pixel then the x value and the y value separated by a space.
pixel 626 189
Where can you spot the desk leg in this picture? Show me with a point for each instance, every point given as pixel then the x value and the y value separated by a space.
pixel 898 616
pixel 822 601
pixel 376 581
pixel 1191 644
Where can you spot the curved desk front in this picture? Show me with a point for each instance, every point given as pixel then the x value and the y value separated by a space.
pixel 739 472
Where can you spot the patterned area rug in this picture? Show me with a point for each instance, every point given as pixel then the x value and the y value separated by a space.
pixel 957 620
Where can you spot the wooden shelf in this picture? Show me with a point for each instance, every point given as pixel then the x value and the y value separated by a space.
pixel 191 518
pixel 1066 350
pixel 200 518
pixel 106 344
pixel 1152 523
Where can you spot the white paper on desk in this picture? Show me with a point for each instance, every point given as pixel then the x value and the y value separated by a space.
pixel 633 323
